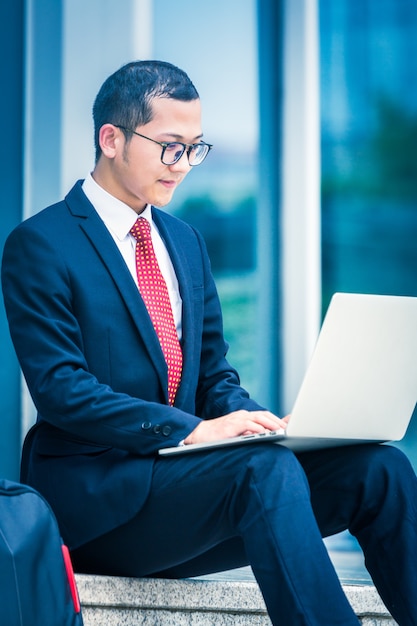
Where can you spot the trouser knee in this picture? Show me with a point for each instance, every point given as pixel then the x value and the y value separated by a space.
pixel 387 490
pixel 387 466
pixel 273 473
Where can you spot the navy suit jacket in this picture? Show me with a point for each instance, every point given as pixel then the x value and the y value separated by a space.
pixel 94 366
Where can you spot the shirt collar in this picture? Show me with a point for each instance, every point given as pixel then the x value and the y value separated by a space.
pixel 117 216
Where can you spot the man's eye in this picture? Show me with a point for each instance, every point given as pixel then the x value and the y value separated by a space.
pixel 173 148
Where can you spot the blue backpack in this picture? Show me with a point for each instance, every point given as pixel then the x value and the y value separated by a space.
pixel 37 585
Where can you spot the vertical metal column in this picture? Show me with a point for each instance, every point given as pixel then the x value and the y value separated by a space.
pixel 270 42
pixel 301 211
pixel 289 195
pixel 11 202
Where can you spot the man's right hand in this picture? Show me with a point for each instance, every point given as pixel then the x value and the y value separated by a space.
pixel 235 424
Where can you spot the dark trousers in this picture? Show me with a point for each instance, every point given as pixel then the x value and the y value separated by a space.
pixel 262 505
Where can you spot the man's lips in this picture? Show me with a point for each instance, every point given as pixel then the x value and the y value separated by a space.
pixel 169 184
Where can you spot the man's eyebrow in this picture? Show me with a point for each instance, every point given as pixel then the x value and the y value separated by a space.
pixel 180 138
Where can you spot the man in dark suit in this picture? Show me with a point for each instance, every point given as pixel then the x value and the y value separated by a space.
pixel 96 367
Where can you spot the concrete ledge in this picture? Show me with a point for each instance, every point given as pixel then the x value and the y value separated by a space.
pixel 111 601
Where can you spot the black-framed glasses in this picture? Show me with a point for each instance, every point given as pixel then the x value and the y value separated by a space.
pixel 173 151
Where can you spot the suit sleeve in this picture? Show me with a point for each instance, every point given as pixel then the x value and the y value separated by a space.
pixel 51 347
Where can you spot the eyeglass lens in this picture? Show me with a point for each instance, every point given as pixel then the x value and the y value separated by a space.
pixel 174 151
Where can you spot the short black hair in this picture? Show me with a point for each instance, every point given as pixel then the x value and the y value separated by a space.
pixel 125 98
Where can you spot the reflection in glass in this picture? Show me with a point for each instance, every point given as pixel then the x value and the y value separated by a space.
pixel 369 150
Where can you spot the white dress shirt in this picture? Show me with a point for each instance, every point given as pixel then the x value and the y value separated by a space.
pixel 119 219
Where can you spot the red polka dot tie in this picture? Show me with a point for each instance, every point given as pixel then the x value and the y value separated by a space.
pixel 154 292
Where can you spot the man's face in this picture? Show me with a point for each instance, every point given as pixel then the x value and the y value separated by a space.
pixel 137 175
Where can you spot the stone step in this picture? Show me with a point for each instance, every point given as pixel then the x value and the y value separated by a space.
pixel 113 601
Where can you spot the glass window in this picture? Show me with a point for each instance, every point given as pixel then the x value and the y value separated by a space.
pixel 217 46
pixel 369 149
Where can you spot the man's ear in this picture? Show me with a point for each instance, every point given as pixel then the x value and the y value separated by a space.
pixel 109 138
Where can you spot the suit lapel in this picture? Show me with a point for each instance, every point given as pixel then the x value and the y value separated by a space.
pixel 100 238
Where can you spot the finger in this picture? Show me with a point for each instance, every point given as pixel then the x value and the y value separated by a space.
pixel 268 420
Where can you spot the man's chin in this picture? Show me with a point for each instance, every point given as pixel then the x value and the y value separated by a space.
pixel 163 201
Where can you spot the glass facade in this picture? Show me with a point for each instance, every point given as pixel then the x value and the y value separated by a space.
pixel 369 150
pixel 219 198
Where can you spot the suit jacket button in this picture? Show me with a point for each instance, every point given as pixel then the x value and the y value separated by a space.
pixel 166 431
pixel 146 425
pixel 157 429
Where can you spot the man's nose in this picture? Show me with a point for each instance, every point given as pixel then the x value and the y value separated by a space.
pixel 182 165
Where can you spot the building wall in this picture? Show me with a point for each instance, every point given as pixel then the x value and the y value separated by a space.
pixel 11 203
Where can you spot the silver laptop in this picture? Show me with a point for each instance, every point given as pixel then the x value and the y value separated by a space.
pixel 361 383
